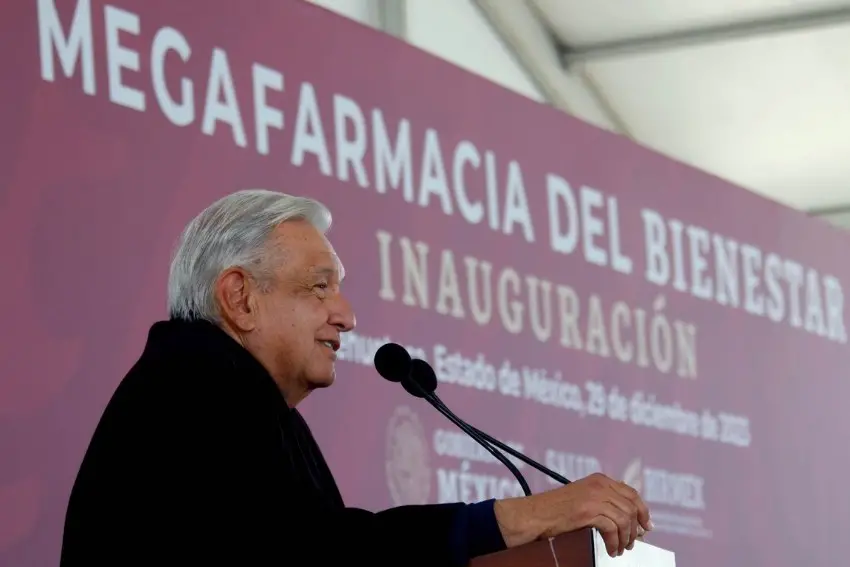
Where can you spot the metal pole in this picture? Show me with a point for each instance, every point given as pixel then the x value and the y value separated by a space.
pixel 392 17
pixel 827 17
pixel 828 211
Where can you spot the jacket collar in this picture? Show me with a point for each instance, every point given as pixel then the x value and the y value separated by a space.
pixel 186 339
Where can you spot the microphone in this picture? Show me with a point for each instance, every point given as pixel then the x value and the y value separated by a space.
pixel 393 363
pixel 423 374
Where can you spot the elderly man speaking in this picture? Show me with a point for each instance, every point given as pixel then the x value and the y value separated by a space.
pixel 201 457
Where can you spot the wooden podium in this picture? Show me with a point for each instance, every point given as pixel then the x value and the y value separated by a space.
pixel 583 548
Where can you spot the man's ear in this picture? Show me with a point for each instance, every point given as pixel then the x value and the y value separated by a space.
pixel 234 291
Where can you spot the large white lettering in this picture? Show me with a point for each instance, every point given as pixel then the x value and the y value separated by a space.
pixel 77 46
pixel 334 134
pixel 714 267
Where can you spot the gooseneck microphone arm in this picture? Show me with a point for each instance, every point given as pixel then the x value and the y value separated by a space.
pixel 442 408
pixel 393 362
pixel 419 391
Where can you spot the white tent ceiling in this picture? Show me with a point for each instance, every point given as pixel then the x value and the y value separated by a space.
pixel 755 91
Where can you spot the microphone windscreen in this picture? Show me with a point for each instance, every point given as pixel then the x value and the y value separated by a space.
pixel 424 375
pixel 412 387
pixel 392 362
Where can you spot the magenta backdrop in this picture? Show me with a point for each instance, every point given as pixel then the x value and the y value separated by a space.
pixel 93 194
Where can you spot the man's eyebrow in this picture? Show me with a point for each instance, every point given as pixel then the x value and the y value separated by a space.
pixel 328 271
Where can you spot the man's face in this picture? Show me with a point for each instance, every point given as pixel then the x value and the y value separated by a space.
pixel 299 318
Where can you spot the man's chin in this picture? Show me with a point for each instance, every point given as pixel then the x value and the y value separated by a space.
pixel 323 380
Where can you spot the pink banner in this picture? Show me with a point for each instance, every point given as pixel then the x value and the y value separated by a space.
pixel 596 304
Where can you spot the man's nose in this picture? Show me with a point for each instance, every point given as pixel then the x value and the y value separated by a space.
pixel 342 315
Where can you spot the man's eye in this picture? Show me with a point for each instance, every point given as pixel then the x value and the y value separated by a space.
pixel 322 285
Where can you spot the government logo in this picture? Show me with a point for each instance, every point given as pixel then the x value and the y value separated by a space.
pixel 407 459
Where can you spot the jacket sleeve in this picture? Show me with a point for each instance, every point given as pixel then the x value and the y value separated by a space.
pixel 452 534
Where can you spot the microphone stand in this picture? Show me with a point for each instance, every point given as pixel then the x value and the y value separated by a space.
pixel 469 430
pixel 435 401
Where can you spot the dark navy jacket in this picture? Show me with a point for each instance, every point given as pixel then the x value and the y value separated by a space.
pixel 197 460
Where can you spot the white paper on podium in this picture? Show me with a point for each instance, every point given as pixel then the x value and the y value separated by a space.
pixel 641 555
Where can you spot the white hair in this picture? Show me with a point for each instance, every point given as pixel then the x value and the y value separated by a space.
pixel 231 232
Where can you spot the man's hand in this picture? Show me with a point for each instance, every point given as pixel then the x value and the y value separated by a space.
pixel 613 508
